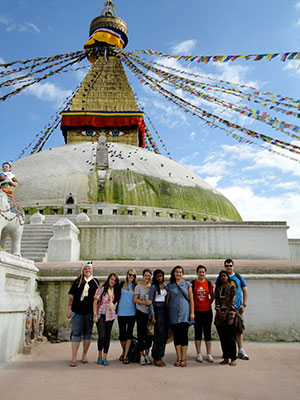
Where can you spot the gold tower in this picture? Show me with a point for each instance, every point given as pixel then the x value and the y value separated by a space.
pixel 104 103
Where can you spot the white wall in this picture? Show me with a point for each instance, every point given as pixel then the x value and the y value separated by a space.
pixel 17 293
pixel 189 240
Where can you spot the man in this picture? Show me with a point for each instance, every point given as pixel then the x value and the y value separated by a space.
pixel 241 303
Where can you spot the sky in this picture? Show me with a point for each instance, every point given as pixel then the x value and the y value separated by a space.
pixel 262 186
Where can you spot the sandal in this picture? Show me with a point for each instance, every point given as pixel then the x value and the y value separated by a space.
pixel 73 364
pixel 177 363
pixel 121 358
pixel 224 362
pixel 126 361
pixel 183 363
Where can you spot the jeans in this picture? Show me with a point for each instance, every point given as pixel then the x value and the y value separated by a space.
pixel 160 331
pixel 104 332
pixel 82 325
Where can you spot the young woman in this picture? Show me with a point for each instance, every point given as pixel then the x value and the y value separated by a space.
pixel 126 313
pixel 158 315
pixel 80 309
pixel 203 292
pixel 181 311
pixel 104 307
pixel 141 299
pixel 225 317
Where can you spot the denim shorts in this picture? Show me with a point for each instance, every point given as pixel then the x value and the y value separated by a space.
pixel 82 326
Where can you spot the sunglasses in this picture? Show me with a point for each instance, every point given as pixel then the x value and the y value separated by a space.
pixel 228 266
pixel 132 275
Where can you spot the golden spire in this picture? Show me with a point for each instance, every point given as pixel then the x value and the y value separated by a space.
pixel 110 9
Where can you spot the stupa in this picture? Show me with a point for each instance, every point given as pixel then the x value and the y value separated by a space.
pixel 117 170
pixel 130 196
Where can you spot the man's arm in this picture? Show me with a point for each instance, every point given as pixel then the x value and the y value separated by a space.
pixel 245 298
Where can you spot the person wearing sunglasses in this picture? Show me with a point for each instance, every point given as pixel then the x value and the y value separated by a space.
pixel 126 313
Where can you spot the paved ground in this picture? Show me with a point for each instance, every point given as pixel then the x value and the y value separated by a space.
pixel 273 372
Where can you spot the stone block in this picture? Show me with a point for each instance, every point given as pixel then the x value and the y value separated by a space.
pixel 64 244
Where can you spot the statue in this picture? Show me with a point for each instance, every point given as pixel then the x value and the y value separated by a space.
pixel 12 217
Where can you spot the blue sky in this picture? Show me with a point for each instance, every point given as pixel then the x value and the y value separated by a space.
pixel 262 186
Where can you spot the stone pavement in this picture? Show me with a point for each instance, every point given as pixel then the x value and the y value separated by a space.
pixel 272 373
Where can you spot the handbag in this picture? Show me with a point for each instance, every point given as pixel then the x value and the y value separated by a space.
pixel 150 329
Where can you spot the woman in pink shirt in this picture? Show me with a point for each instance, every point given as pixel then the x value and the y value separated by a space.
pixel 104 307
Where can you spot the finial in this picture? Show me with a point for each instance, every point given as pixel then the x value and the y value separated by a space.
pixel 110 9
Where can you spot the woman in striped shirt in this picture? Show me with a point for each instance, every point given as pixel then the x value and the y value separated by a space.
pixel 104 307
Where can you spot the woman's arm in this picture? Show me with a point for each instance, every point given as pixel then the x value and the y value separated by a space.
pixel 167 298
pixel 211 293
pixel 95 309
pixel 152 294
pixel 191 298
pixel 70 302
pixel 136 300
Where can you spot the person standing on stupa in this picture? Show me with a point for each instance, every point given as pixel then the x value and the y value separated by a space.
pixel 8 180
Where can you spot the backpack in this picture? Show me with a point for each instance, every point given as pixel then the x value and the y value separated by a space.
pixel 133 353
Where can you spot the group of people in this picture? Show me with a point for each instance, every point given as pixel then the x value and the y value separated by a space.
pixel 168 308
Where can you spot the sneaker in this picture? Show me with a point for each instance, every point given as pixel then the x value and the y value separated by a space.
pixel 243 355
pixel 148 359
pixel 105 363
pixel 199 358
pixel 142 360
pixel 99 361
pixel 209 358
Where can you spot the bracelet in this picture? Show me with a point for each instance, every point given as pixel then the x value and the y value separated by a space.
pixel 245 305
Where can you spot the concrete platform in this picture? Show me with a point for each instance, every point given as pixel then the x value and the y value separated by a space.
pixel 272 373
pixel 213 265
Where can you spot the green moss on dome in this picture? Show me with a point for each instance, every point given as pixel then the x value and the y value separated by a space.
pixel 127 187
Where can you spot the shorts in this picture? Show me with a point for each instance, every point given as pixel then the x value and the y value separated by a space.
pixel 240 326
pixel 82 326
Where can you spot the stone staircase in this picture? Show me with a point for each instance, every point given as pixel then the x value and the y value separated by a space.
pixel 35 238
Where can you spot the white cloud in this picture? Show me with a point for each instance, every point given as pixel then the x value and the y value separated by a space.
pixel 12 25
pixel 31 25
pixel 292 65
pixel 184 47
pixel 214 168
pixel 253 207
pixel 192 135
pixel 172 115
pixel 288 185
pixel 297 6
pixel 213 180
pixel 261 159
pixel 48 92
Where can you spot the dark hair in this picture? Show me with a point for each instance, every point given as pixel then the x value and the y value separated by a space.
pixel 172 277
pixel 116 287
pixel 228 261
pixel 201 266
pixel 154 280
pixel 147 270
pixel 219 282
pixel 8 163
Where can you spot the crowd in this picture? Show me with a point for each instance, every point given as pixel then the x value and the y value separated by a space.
pixel 162 312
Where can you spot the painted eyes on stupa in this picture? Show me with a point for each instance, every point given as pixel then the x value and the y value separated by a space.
pixel 88 133
pixel 110 133
pixel 115 133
